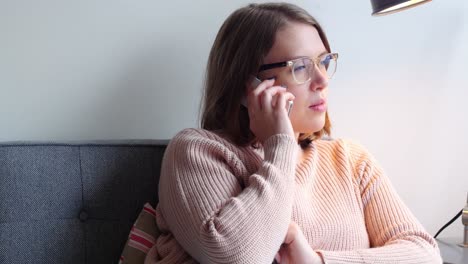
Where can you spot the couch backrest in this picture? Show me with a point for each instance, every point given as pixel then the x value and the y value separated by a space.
pixel 74 202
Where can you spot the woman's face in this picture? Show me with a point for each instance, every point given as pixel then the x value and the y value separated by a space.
pixel 310 104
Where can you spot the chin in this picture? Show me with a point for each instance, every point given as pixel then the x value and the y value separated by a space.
pixel 311 126
pixel 312 129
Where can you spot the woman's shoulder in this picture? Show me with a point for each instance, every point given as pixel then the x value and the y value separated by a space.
pixel 197 148
pixel 190 137
pixel 194 134
pixel 199 134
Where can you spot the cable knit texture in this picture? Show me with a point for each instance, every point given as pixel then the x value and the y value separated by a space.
pixel 221 203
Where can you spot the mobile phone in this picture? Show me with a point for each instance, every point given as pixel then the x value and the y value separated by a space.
pixel 254 84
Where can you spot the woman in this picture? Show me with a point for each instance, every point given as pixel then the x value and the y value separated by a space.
pixel 256 183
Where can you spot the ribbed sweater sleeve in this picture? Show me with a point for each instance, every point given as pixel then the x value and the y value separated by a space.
pixel 211 215
pixel 395 235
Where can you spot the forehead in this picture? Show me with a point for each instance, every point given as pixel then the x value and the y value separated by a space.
pixel 293 41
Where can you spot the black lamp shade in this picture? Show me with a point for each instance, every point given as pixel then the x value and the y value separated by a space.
pixel 383 7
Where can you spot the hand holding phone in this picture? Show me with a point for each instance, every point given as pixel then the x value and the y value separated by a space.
pixel 254 84
pixel 266 113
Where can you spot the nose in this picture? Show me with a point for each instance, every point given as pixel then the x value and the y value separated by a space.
pixel 319 80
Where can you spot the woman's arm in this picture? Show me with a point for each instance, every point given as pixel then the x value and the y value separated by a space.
pixel 395 235
pixel 211 215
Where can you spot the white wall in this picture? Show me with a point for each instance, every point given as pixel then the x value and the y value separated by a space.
pixel 400 89
pixel 81 70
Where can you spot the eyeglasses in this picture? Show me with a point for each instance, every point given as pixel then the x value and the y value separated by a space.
pixel 302 69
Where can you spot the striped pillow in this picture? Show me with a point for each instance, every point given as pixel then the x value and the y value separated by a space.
pixel 141 238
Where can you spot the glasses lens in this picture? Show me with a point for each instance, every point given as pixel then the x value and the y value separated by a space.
pixel 301 69
pixel 327 65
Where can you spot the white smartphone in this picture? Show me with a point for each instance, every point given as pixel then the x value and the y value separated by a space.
pixel 254 84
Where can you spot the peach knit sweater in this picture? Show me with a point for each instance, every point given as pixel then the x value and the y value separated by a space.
pixel 221 203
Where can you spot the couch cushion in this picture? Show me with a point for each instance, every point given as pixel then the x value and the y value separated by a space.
pixel 39 182
pixel 73 202
pixel 117 181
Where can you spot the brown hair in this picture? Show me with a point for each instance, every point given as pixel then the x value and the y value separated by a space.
pixel 243 41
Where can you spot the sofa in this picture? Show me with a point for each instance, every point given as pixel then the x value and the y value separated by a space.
pixel 74 202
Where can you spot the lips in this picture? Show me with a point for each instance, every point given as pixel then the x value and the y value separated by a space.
pixel 319 106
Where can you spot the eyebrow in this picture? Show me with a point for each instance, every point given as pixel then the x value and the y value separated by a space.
pixel 323 53
pixel 269 66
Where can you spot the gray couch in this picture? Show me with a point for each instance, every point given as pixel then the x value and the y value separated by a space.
pixel 73 202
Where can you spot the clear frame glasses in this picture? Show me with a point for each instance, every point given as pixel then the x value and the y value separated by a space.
pixel 303 69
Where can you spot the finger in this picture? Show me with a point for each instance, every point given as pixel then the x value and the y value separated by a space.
pixel 253 97
pixel 268 95
pixel 262 86
pixel 283 99
pixel 274 100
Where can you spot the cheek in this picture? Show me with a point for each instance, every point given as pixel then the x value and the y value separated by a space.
pixel 325 92
pixel 299 94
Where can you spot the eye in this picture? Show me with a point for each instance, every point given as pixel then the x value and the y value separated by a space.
pixel 299 68
pixel 325 62
pixel 270 78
